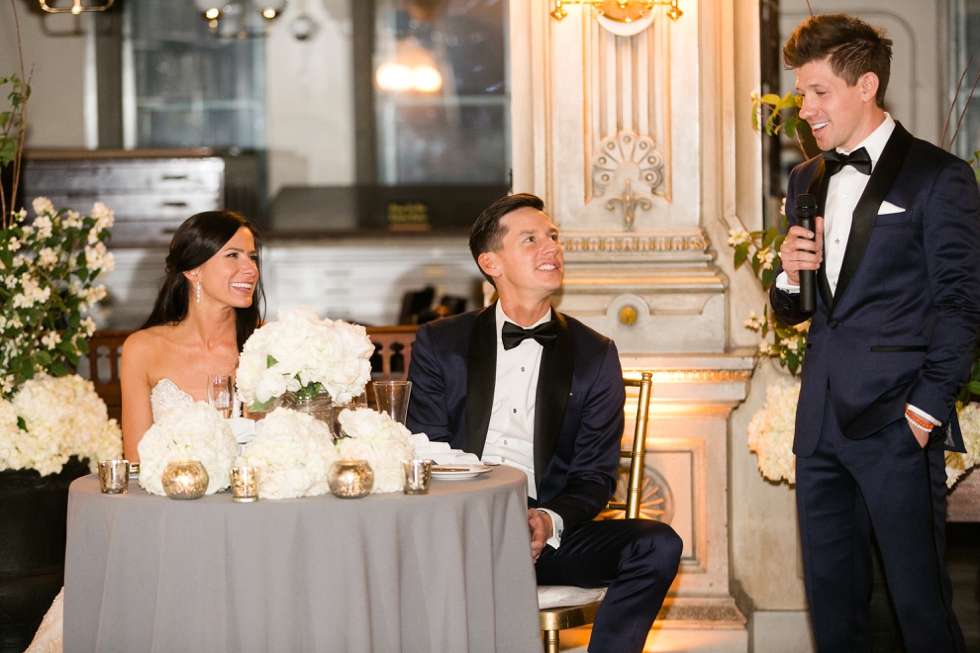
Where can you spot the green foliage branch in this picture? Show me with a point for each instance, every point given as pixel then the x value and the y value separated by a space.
pixel 13 128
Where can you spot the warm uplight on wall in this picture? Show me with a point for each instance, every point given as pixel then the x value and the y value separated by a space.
pixel 398 77
pixel 410 67
pixel 76 7
pixel 621 11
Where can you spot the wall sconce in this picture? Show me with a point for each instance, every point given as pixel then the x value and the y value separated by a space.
pixel 76 7
pixel 620 11
pixel 240 18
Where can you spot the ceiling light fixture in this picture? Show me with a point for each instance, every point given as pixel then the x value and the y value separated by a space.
pixel 76 7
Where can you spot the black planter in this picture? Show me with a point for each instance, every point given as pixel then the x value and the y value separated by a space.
pixel 33 525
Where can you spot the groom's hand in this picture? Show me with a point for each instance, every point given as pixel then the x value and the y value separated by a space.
pixel 802 250
pixel 921 435
pixel 541 530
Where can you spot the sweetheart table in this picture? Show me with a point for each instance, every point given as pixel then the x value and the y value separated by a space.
pixel 448 571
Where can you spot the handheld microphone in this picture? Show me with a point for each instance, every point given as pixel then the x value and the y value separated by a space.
pixel 806 211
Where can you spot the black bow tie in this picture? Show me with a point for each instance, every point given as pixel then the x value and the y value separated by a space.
pixel 836 161
pixel 544 334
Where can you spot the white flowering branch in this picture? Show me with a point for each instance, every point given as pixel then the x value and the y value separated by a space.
pixel 47 282
pixel 788 342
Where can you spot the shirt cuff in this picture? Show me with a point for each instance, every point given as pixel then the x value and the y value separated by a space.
pixel 923 414
pixel 782 283
pixel 557 527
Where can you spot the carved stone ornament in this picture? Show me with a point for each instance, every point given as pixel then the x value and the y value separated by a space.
pixel 689 242
pixel 629 202
pixel 627 154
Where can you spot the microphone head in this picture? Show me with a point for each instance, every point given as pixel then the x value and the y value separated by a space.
pixel 806 206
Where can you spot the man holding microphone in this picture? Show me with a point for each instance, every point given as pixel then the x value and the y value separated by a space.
pixel 895 256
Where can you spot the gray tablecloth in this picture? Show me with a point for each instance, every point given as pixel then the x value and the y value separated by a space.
pixel 450 571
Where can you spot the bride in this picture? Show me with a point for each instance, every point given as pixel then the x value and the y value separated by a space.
pixel 207 307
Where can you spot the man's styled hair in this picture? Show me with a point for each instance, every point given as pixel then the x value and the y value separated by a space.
pixel 854 48
pixel 487 235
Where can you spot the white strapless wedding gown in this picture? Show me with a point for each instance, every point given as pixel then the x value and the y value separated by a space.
pixel 164 397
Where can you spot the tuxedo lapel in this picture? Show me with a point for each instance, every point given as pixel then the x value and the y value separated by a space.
pixel 551 399
pixel 481 374
pixel 863 221
pixel 818 188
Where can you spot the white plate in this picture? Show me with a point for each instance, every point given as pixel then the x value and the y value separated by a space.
pixel 457 472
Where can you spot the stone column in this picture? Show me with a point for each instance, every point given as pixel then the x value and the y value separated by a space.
pixel 633 142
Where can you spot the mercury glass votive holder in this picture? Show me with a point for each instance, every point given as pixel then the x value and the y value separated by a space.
pixel 114 476
pixel 186 479
pixel 418 476
pixel 350 479
pixel 244 484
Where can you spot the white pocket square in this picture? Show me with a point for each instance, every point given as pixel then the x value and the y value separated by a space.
pixel 888 207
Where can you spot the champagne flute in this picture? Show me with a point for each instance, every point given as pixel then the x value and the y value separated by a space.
pixel 221 393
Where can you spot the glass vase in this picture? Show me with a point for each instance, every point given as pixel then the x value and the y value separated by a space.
pixel 319 405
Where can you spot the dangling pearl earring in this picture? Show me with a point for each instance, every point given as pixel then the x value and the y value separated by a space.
pixel 198 292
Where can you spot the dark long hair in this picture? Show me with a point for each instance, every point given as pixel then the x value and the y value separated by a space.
pixel 199 238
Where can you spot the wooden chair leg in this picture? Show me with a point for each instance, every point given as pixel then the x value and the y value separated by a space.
pixel 551 641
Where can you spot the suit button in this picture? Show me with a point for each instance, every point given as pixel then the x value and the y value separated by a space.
pixel 832 324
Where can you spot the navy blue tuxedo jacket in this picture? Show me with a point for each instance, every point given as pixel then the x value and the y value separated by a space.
pixel 904 320
pixel 578 408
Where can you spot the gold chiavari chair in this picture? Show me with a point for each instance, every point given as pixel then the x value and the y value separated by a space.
pixel 554 619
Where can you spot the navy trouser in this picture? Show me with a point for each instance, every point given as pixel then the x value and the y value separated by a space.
pixel 889 484
pixel 636 558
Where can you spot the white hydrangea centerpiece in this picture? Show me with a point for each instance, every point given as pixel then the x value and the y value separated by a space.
pixel 381 441
pixel 193 432
pixel 302 354
pixel 295 452
pixel 51 419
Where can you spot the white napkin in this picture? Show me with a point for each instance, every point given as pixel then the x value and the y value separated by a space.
pixel 440 452
pixel 243 429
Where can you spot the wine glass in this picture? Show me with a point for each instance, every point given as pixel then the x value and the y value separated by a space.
pixel 221 393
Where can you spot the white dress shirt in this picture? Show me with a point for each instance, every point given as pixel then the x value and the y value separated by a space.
pixel 843 192
pixel 510 436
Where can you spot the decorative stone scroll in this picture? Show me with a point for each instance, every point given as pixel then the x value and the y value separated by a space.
pixel 701 376
pixel 625 148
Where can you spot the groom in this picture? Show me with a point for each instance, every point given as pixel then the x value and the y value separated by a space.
pixel 897 255
pixel 524 385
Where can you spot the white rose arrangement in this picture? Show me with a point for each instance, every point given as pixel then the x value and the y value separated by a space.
pixel 51 419
pixel 958 464
pixel 772 428
pixel 194 432
pixel 302 354
pixel 381 441
pixel 295 452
